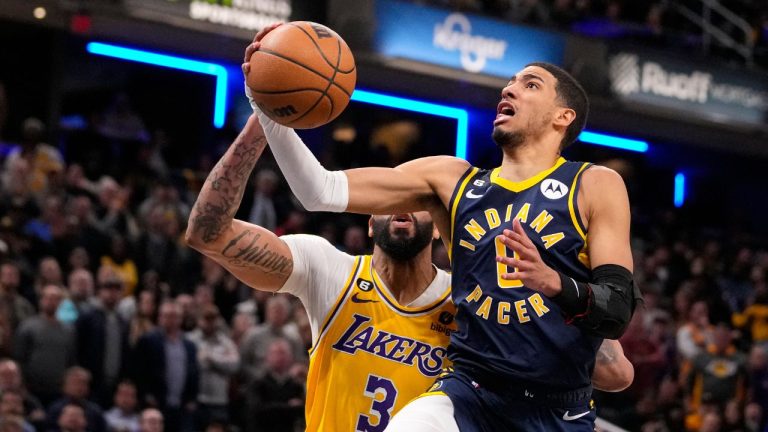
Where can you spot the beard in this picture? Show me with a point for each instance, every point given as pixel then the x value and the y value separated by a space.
pixel 400 246
pixel 507 139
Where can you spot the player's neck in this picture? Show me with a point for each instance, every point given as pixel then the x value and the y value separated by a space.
pixel 406 280
pixel 526 160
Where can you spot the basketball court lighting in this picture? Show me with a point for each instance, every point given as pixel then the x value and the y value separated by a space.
pixel 614 141
pixel 679 189
pixel 460 115
pixel 173 62
pixel 39 12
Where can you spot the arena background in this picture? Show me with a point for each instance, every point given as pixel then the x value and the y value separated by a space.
pixel 122 139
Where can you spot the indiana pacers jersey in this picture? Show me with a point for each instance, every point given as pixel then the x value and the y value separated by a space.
pixel 506 329
pixel 373 355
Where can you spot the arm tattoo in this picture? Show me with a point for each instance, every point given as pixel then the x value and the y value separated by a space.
pixel 245 251
pixel 606 354
pixel 223 189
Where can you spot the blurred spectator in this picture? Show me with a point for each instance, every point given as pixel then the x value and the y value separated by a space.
pixel 12 304
pixel 758 376
pixel 218 359
pixel 355 240
pixel 44 161
pixel 77 387
pixel 112 212
pixel 151 420
pixel 118 258
pixel 226 288
pixel 102 337
pixel 163 195
pixel 755 318
pixel 121 122
pixel 188 312
pixel 48 273
pixel 80 284
pixel 79 259
pixel 166 370
pixel 11 380
pixel 123 417
pixel 73 419
pixel 694 336
pixel 45 348
pixel 253 351
pixel 12 405
pixel 719 375
pixel 143 320
pixel 158 247
pixel 242 324
pixel 263 208
pixel 276 399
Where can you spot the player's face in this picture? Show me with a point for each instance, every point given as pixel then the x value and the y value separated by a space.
pixel 402 236
pixel 527 106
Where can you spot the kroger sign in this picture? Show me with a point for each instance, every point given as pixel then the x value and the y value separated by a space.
pixel 461 41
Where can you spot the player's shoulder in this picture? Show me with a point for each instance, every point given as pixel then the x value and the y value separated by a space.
pixel 601 178
pixel 441 165
pixel 315 244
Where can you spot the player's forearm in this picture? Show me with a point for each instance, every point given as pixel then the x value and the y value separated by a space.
pixel 223 190
pixel 316 188
pixel 613 371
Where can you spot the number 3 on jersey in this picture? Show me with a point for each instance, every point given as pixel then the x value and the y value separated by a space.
pixel 501 250
pixel 384 393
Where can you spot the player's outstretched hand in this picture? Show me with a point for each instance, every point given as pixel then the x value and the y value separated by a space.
pixel 255 45
pixel 527 262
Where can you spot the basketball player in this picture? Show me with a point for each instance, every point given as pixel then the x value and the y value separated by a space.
pixel 380 323
pixel 542 266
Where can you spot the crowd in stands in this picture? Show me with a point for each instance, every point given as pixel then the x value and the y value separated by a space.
pixel 656 22
pixel 108 322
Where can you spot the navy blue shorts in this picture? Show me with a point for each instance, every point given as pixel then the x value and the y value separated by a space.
pixel 480 409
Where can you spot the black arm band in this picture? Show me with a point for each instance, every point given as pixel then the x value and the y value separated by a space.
pixel 611 300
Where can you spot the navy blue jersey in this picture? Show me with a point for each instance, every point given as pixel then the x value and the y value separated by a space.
pixel 506 329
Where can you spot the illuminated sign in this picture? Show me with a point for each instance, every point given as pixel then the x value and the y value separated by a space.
pixel 461 41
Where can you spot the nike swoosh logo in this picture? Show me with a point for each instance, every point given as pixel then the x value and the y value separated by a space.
pixel 356 299
pixel 567 417
pixel 472 195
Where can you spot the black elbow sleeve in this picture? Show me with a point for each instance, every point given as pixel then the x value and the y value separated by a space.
pixel 609 304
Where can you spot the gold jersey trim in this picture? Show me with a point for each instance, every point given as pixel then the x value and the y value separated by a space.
pixel 525 184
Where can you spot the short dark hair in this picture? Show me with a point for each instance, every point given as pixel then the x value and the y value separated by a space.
pixel 573 96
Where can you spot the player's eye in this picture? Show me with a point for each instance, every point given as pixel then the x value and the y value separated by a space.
pixel 531 84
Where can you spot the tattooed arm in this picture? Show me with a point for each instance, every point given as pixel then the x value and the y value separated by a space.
pixel 613 371
pixel 253 254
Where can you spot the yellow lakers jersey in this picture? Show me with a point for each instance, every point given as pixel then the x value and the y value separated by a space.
pixel 373 355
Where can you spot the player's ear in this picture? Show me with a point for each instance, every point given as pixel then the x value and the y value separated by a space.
pixel 564 116
pixel 435 233
pixel 370 227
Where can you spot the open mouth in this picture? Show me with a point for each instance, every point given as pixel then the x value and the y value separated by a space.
pixel 402 220
pixel 504 111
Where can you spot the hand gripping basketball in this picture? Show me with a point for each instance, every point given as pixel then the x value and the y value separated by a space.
pixel 300 74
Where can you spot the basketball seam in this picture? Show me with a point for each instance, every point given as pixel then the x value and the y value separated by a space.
pixel 325 92
pixel 276 54
pixel 322 54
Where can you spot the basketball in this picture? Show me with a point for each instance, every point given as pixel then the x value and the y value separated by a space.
pixel 303 75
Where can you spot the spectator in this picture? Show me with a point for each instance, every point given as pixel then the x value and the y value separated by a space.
pixel 45 348
pixel 119 260
pixel 166 370
pixel 276 399
pixel 143 320
pixel 77 387
pixel 80 284
pixel 152 420
pixel 354 240
pixel 12 304
pixel 12 405
pixel 102 337
pixel 253 351
pixel 73 419
pixel 694 336
pixel 44 160
pixel 263 208
pixel 10 380
pixel 123 417
pixel 242 324
pixel 112 213
pixel 719 376
pixel 11 424
pixel 218 359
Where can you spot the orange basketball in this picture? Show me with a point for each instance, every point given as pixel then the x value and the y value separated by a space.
pixel 303 75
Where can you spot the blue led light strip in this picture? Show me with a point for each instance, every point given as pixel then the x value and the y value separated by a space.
pixel 679 189
pixel 461 116
pixel 173 62
pixel 613 141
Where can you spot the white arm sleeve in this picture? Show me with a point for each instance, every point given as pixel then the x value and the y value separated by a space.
pixel 316 188
pixel 319 273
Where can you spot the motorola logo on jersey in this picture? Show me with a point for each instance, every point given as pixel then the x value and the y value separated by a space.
pixel 362 336
pixel 553 189
pixel 364 285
